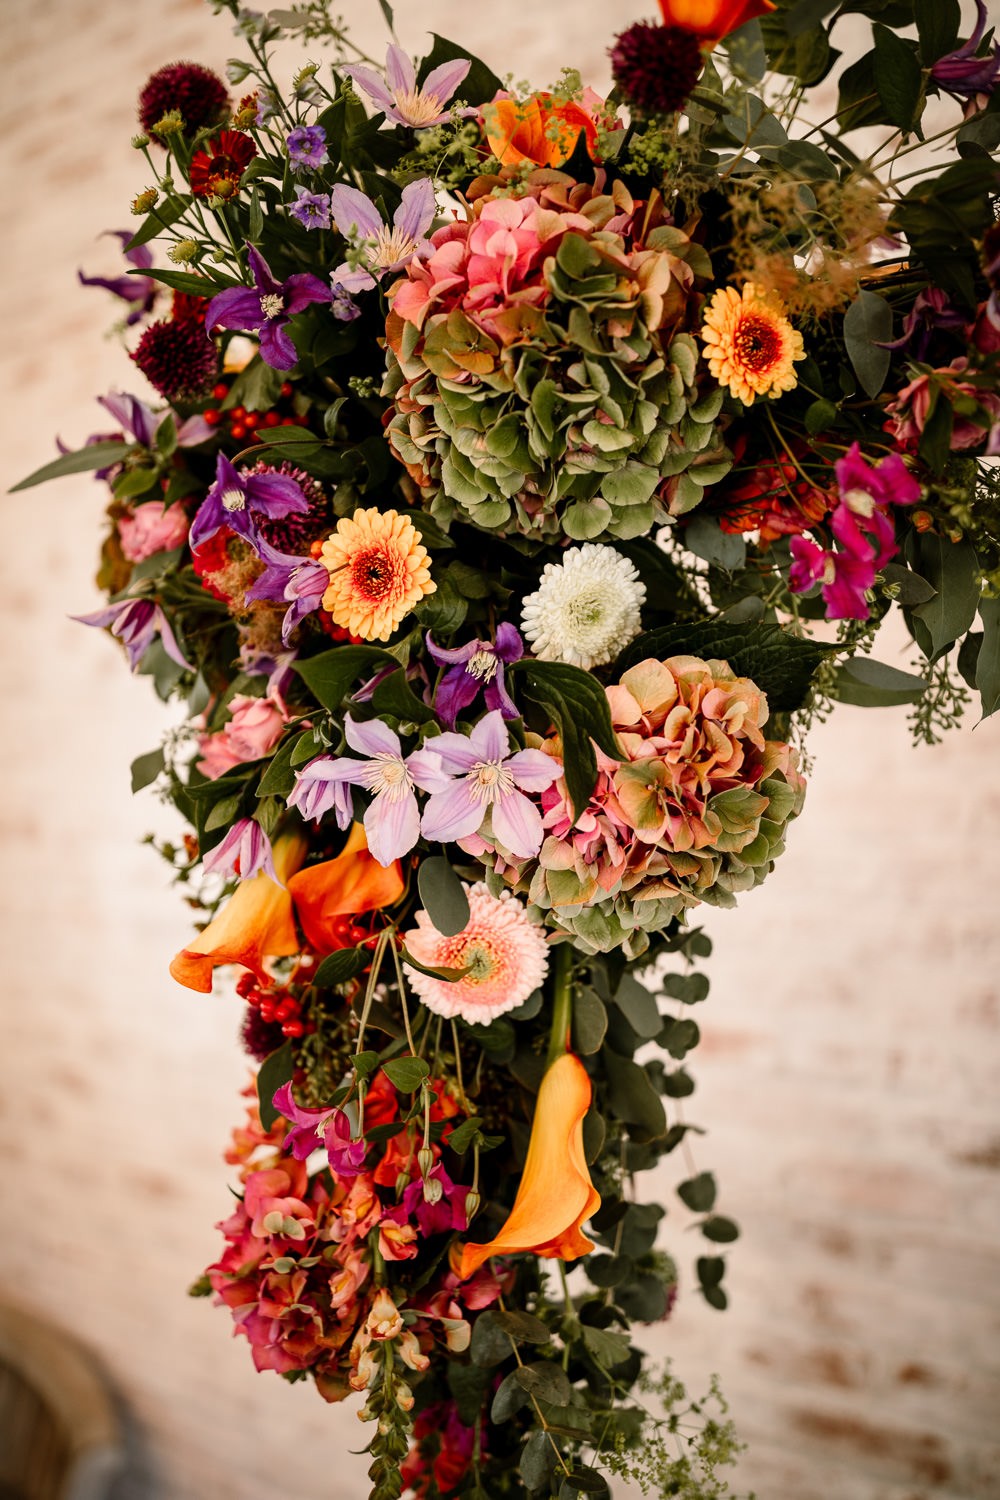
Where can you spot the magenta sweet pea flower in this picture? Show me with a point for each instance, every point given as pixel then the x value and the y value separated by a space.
pixel 317 1129
pixel 137 623
pixel 964 74
pixel 399 98
pixel 392 821
pixel 139 291
pixel 436 1206
pixel 381 248
pixel 265 308
pixel 300 581
pixel 477 666
pixel 470 775
pixel 235 496
pixel 245 851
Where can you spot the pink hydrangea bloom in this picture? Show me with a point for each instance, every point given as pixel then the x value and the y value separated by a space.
pixel 150 528
pixel 255 727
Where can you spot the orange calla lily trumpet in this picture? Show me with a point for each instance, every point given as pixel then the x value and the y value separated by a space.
pixel 352 883
pixel 256 923
pixel 556 1194
pixel 712 19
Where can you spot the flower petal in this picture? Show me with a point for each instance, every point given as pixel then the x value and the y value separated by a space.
pixel 416 210
pixel 354 213
pixel 392 825
pixel 371 737
pixel 442 81
pixel 373 85
pixel 452 815
pixel 399 70
pixel 517 823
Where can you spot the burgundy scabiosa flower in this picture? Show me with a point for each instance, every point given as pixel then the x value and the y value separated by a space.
pixel 266 307
pixel 198 95
pixel 216 170
pixel 177 358
pixel 656 67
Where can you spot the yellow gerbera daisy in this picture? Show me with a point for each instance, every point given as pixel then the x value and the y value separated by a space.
pixel 378 572
pixel 750 344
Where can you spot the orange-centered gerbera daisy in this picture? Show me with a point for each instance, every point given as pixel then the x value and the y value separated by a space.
pixel 378 572
pixel 750 345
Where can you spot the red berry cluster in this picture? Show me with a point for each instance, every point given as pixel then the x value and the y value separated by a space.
pixel 245 424
pixel 275 1007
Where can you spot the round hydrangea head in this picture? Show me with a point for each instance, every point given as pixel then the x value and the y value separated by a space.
pixel 656 67
pixel 505 953
pixel 586 608
pixel 197 94
pixel 177 358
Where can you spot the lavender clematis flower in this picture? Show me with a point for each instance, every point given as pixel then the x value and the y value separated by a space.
pixel 381 249
pixel 234 497
pixel 478 665
pixel 314 794
pixel 140 291
pixel 316 1129
pixel 307 146
pixel 392 822
pixel 468 776
pixel 299 580
pixel 311 209
pixel 136 623
pixel 399 98
pixel 265 308
pixel 964 74
pixel 245 851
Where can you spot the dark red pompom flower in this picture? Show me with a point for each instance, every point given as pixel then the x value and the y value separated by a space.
pixel 217 169
pixel 177 358
pixel 656 67
pixel 198 95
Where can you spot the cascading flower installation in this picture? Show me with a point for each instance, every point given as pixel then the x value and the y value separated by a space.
pixel 519 474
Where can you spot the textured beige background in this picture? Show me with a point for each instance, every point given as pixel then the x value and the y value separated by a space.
pixel 849 1073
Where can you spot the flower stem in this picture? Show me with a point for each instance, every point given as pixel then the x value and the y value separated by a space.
pixel 562 1001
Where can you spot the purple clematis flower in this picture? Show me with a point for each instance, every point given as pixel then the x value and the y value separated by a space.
pixel 300 581
pixel 964 74
pixel 478 665
pixel 245 851
pixel 311 209
pixel 234 497
pixel 136 623
pixel 140 291
pixel 392 821
pixel 316 1129
pixel 399 98
pixel 265 308
pixel 468 776
pixel 307 146
pixel 381 248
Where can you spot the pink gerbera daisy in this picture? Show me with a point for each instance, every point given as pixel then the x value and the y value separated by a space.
pixel 505 954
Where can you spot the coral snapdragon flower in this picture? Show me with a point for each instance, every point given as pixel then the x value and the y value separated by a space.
pixel 378 572
pixel 712 19
pixel 556 1194
pixel 256 923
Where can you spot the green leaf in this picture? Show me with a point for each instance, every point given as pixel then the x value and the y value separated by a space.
pixel 723 549
pixel 910 587
pixel 819 416
pixel 395 698
pixel 584 1481
pixel 698 1193
pixel 872 684
pixel 632 1098
pixel 329 675
pixel 450 975
pixel 590 1022
pixel 545 1382
pixel 951 568
pixel 461 1138
pixel 146 768
pixel 867 326
pixel 94 456
pixel 364 1063
pixel 782 665
pixel 715 1297
pixel 689 989
pixel 274 1071
pixel 722 1231
pixel 710 1269
pixel 609 1349
pixel 443 895
pixel 279 776
pixel 578 707
pixel 338 967
pixel 988 660
pixel 898 79
pixel 937 27
pixel 510 1397
pixel 538 1459
pixel 638 1006
pixel 406 1073
pixel 490 1345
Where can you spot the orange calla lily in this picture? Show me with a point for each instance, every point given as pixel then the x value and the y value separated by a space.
pixel 712 19
pixel 540 130
pixel 556 1194
pixel 256 923
pixel 352 883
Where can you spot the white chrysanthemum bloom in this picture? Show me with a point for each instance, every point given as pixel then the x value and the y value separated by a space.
pixel 586 608
pixel 504 953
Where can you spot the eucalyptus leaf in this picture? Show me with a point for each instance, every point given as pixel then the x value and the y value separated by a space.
pixel 274 1071
pixel 443 896
pixel 867 328
pixel 873 684
pixel 698 1193
pixel 988 660
pixel 339 967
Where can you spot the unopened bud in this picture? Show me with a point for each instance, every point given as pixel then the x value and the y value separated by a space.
pixel 140 142
pixel 183 253
pixel 922 520
pixel 144 201
pixel 425 1161
pixel 402 1183
pixel 172 123
pixel 367 1413
pixel 404 1396
pixel 472 1202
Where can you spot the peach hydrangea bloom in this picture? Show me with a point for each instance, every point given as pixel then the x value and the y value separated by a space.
pixel 378 572
pixel 750 345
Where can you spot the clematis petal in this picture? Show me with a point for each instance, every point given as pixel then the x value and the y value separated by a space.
pixel 442 81
pixel 416 210
pixel 354 213
pixel 533 770
pixel 276 347
pixel 399 70
pixel 453 814
pixel 392 825
pixel 517 823
pixel 371 737
pixel 490 739
pixel 373 85
pixel 236 307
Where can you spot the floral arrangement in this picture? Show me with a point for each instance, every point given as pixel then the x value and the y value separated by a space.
pixel 522 473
